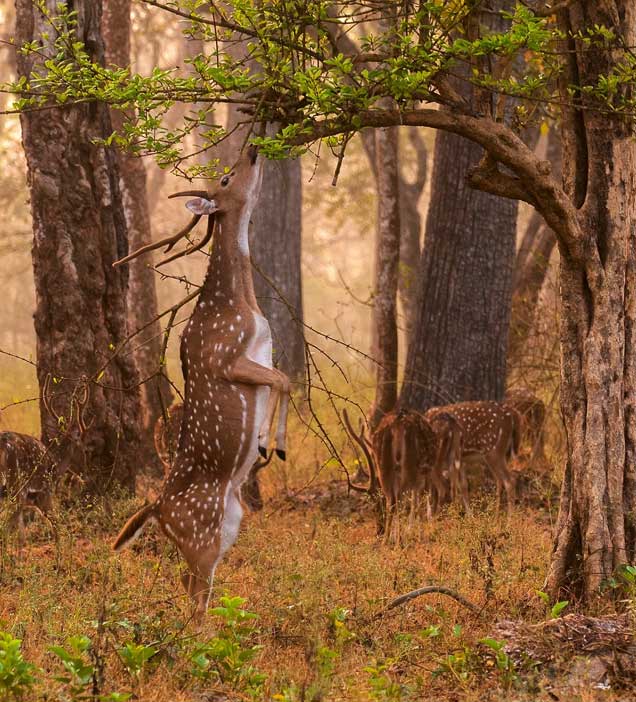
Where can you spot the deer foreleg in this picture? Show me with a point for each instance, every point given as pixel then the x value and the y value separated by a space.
pixel 252 373
pixel 281 429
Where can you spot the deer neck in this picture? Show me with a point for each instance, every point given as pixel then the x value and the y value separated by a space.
pixel 229 277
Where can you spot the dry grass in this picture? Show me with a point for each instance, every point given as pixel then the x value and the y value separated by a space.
pixel 312 569
pixel 303 564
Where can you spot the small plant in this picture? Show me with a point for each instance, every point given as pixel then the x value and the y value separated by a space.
pixel 554 610
pixel 338 624
pixel 17 676
pixel 502 660
pixel 135 656
pixel 79 670
pixel 228 655
pixel 381 685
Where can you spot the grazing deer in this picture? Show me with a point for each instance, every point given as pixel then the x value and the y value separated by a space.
pixel 404 450
pixel 29 470
pixel 533 415
pixel 166 435
pixel 448 482
pixel 231 389
pixel 490 434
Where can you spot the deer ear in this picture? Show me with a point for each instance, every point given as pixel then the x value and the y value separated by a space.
pixel 201 206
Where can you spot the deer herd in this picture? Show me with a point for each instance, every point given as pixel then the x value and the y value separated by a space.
pixel 210 444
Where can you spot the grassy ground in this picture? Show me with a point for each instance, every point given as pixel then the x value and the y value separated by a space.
pixel 103 626
pixel 312 569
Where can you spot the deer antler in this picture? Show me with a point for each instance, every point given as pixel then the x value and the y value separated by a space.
pixel 170 241
pixel 194 247
pixel 46 399
pixel 78 404
pixel 358 438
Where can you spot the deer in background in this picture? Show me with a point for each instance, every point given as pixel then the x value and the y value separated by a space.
pixel 401 455
pixel 448 482
pixel 490 435
pixel 232 390
pixel 29 470
pixel 166 435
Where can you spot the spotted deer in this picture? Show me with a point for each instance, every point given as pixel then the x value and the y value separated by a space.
pixel 404 449
pixel 231 388
pixel 166 435
pixel 490 435
pixel 29 469
pixel 448 482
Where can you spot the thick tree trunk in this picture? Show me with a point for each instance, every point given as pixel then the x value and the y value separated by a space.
pixel 385 287
pixel 156 393
pixel 458 351
pixel 79 229
pixel 596 528
pixel 275 246
pixel 275 249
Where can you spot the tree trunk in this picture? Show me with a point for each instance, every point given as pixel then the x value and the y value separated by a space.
pixel 275 249
pixel 275 246
pixel 79 229
pixel 410 235
pixel 156 393
pixel 458 351
pixel 596 529
pixel 387 258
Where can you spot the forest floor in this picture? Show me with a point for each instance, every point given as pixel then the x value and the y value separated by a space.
pixel 309 566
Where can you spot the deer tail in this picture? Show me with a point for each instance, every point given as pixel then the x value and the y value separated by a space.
pixel 132 528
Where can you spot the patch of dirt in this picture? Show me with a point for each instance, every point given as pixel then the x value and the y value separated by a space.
pixel 333 499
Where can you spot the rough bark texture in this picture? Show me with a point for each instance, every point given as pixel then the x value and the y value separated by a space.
pixel 458 351
pixel 385 287
pixel 275 246
pixel 596 525
pixel 79 229
pixel 156 393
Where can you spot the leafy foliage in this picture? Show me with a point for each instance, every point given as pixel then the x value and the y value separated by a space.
pixel 323 74
pixel 17 676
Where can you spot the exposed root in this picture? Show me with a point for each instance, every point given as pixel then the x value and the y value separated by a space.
pixel 430 589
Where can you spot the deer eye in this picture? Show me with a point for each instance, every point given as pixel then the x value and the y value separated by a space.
pixel 225 180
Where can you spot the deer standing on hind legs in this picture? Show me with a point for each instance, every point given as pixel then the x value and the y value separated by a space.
pixel 231 389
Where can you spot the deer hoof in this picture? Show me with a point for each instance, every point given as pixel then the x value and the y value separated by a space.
pixel 263 451
pixel 281 454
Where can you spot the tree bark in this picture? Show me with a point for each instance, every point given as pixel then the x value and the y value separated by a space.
pixel 275 249
pixel 275 246
pixel 596 528
pixel 387 258
pixel 458 351
pixel 79 229
pixel 156 393
pixel 410 235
